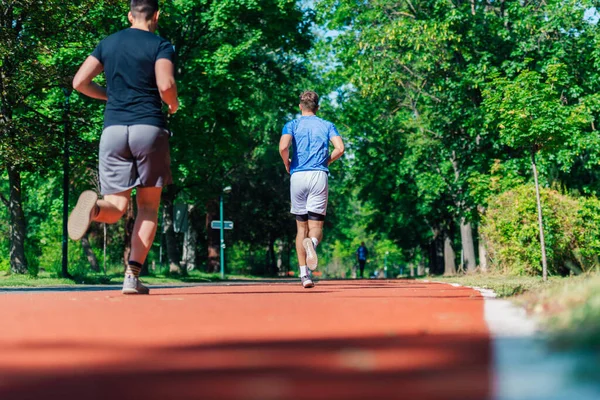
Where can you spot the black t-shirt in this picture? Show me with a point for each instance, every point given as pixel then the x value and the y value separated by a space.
pixel 128 58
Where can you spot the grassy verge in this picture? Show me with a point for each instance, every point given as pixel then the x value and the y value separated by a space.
pixel 503 286
pixel 112 277
pixel 567 308
pixel 570 310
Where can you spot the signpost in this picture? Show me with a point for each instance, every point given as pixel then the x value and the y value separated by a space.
pixel 228 225
pixel 222 225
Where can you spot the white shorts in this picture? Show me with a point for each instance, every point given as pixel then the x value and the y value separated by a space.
pixel 309 192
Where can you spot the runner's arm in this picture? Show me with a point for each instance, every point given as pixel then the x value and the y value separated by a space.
pixel 165 81
pixel 338 150
pixel 284 150
pixel 83 80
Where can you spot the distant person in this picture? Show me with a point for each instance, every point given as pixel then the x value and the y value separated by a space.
pixel 309 136
pixel 361 256
pixel 134 147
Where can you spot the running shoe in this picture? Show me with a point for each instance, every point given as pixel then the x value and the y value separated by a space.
pixel 307 282
pixel 132 285
pixel 311 254
pixel 81 216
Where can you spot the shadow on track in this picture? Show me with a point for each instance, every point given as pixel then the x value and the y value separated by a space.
pixel 382 367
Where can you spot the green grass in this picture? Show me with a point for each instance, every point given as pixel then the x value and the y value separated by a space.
pixel 114 276
pixel 569 310
pixel 45 279
pixel 503 286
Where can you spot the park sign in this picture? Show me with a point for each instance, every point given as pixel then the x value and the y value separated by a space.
pixel 217 224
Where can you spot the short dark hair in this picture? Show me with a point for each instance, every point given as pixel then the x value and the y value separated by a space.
pixel 143 8
pixel 309 100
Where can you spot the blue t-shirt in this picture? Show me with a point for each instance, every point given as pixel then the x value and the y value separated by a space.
pixel 128 58
pixel 310 143
pixel 362 253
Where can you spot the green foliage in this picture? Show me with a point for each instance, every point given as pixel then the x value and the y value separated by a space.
pixel 4 264
pixel 589 232
pixel 530 112
pixel 510 227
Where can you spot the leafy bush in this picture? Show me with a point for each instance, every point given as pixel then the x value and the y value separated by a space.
pixel 571 230
pixel 589 233
pixel 4 264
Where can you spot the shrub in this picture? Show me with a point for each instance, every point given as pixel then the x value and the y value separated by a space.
pixel 571 230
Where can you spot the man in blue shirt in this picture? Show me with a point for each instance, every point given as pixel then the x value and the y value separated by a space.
pixel 134 147
pixel 309 136
pixel 361 257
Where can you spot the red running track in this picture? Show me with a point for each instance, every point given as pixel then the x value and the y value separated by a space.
pixel 341 340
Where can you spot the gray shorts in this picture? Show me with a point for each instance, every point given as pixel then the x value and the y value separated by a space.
pixel 309 192
pixel 131 156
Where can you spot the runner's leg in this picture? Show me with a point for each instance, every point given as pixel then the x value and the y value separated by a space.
pixel 148 201
pixel 315 233
pixel 315 229
pixel 89 209
pixel 150 149
pixel 316 207
pixel 300 236
pixel 303 253
pixel 144 230
pixel 112 207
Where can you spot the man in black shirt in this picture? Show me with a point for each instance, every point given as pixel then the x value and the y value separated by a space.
pixel 134 147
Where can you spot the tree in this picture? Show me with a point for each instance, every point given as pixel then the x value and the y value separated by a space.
pixel 30 32
pixel 531 116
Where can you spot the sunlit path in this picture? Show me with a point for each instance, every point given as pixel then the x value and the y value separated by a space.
pixel 341 340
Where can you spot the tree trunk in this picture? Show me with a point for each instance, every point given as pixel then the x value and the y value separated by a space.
pixel 89 253
pixel 483 257
pixel 271 259
pixel 18 227
pixel 280 249
pixel 213 262
pixel 466 231
pixel 129 225
pixel 436 253
pixel 466 237
pixel 449 257
pixel 190 240
pixel 288 258
pixel 169 231
pixel 540 218
pixel 421 265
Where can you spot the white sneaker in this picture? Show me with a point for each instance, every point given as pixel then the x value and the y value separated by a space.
pixel 311 254
pixel 81 216
pixel 307 282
